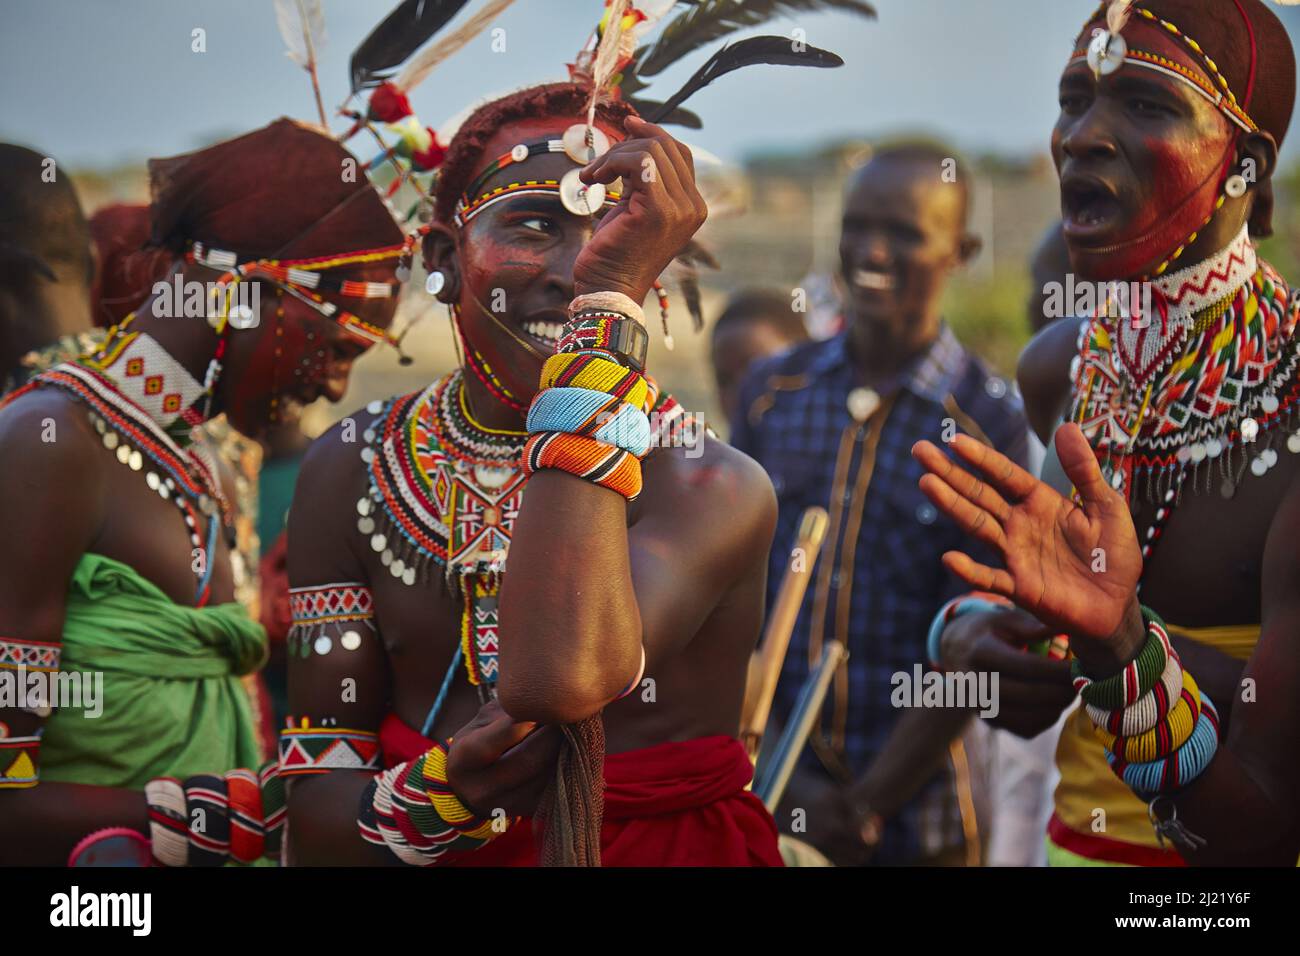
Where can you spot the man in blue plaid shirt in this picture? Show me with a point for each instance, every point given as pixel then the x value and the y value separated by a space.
pixel 833 422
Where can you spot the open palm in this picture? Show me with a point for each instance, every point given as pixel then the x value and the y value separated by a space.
pixel 1074 567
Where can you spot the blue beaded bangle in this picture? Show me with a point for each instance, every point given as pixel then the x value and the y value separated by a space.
pixel 1178 769
pixel 578 411
pixel 953 609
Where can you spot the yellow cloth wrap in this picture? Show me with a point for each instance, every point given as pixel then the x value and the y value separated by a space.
pixel 598 374
pixel 446 805
pixel 1145 747
pixel 1087 782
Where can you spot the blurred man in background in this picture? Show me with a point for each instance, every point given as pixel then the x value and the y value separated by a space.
pixel 754 324
pixel 833 422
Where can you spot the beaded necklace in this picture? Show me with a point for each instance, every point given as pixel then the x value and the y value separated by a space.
pixel 1213 380
pixel 444 491
pixel 141 402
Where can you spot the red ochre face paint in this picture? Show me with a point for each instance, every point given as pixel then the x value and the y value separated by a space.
pixel 516 261
pixel 1142 159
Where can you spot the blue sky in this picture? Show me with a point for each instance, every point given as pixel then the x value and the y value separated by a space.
pixel 98 82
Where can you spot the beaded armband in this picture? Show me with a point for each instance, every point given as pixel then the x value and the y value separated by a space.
pixel 412 810
pixel 1169 732
pixel 593 414
pixel 207 810
pixel 313 608
pixel 1179 768
pixel 1140 717
pixel 1138 676
pixel 606 465
pixel 578 370
pixel 307 748
pixel 20 760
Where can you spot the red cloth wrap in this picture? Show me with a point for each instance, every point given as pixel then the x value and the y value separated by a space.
pixel 673 804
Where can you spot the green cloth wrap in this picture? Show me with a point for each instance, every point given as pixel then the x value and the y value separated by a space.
pixel 172 701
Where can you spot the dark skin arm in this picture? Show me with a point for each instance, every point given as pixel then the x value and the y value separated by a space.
pixel 51 508
pixel 563 659
pixel 1245 804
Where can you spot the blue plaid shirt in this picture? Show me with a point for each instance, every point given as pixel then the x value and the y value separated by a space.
pixel 878 581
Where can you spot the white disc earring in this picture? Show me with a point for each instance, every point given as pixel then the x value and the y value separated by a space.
pixel 433 285
pixel 1235 187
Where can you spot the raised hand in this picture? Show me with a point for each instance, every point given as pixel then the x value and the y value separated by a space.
pixel 1053 550
pixel 659 212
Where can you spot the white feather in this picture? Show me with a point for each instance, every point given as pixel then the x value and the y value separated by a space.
pixel 1117 15
pixel 422 65
pixel 607 54
pixel 302 24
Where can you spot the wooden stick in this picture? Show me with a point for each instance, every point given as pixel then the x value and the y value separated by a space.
pixel 780 626
pixel 777 771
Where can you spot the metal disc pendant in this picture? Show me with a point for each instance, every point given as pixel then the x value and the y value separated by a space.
pixel 375 407
pixel 363 506
pixel 151 479
pixel 110 440
pixel 386 558
pixel 862 403
pixel 324 645
pixel 378 543
pixel 1258 467
pixel 489 478
pixel 1214 447
pixel 396 568
pixel 1268 404
pixel 408 577
pixel 1270 457
pixel 350 640
pixel 367 455
pixel 579 198
pixel 1293 444
pixel 1249 429
pixel 1197 452
pixel 366 525
pixel 136 461
pixel 579 148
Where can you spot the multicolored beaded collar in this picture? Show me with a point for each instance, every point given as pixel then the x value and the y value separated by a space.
pixel 142 404
pixel 1214 380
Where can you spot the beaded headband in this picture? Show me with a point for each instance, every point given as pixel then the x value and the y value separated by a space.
pixel 1107 51
pixel 300 278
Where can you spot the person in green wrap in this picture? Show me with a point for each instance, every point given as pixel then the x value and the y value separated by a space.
pixel 125 733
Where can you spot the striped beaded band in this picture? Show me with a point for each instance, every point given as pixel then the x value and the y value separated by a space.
pixel 301 272
pixel 595 372
pixel 1169 733
pixel 168 830
pixel 207 809
pixel 1138 676
pixel 247 827
pixel 1142 716
pixel 529 187
pixel 1149 780
pixel 585 411
pixel 605 465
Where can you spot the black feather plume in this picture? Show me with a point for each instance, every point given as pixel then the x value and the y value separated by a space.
pixel 400 34
pixel 711 19
pixel 678 117
pixel 781 51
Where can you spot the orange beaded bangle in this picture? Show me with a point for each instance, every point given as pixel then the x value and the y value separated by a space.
pixel 605 465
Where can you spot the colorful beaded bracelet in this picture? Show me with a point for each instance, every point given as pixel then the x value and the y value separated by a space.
pixel 1138 676
pixel 1140 717
pixel 207 810
pixel 247 824
pixel 975 601
pixel 168 824
pixel 606 465
pixel 1169 733
pixel 585 411
pixel 592 370
pixel 1181 767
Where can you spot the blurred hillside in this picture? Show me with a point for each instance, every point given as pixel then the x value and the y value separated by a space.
pixel 786 238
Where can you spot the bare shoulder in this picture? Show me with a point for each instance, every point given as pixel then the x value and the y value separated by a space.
pixel 715 484
pixel 48 435
pixel 1043 373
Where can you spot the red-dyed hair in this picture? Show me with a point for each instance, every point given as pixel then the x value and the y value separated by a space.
pixel 465 154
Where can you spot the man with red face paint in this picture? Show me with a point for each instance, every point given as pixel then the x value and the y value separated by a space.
pixel 120 578
pixel 1179 499
pixel 487 639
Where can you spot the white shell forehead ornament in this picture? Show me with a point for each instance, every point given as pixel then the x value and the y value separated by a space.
pixel 1108 48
